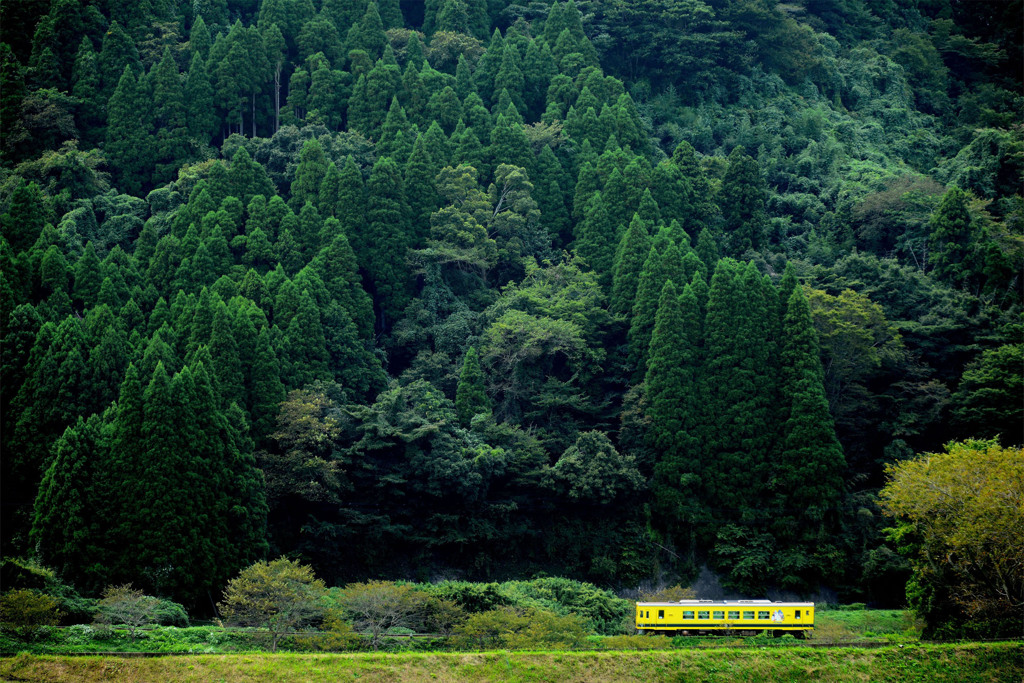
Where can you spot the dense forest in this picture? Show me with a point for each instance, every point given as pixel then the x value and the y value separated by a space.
pixel 475 289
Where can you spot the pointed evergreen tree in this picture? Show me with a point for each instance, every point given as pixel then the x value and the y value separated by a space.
pixel 128 134
pixel 87 277
pixel 117 52
pixel 27 212
pixel 451 15
pixel 464 83
pixel 509 77
pixel 422 194
pixel 266 392
pixel 226 363
pixel 809 467
pixel 387 239
pixel 392 141
pixel 469 152
pixel 595 239
pixel 85 86
pixel 954 240
pixel 707 248
pixel 487 66
pixel 351 202
pixel 538 70
pixel 649 212
pixel 199 38
pixel 675 411
pixel 663 263
pixel 445 108
pixel 739 432
pixel 327 198
pixel 470 396
pixel 71 506
pixel 308 175
pixel 304 351
pixel 630 256
pixel 390 14
pixel 368 35
pixel 337 268
pixel 741 200
pixel 668 372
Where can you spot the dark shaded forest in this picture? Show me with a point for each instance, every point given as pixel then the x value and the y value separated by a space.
pixel 475 289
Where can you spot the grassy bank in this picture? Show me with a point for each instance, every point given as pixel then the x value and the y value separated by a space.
pixel 831 626
pixel 961 663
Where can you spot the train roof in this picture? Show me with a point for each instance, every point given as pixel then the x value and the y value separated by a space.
pixel 732 603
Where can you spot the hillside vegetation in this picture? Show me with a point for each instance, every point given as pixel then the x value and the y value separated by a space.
pixel 486 290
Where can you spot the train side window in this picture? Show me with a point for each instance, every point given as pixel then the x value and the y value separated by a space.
pixel 661 614
pixel 798 614
pixel 719 615
pixel 763 615
pixel 748 615
pixel 734 615
pixel 703 615
pixel 687 615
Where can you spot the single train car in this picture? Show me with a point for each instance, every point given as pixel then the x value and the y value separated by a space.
pixel 736 617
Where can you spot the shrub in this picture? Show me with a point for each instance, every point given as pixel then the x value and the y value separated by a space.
pixel 129 607
pixel 472 597
pixel 337 635
pixel 170 613
pixel 279 596
pixel 520 629
pixel 601 609
pixel 380 607
pixel 27 611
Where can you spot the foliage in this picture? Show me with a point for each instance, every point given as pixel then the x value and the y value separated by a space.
pixel 280 596
pixel 958 518
pixel 508 628
pixel 430 289
pixel 26 609
pixel 379 607
pixel 128 607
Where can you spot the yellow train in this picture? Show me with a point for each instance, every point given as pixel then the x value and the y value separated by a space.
pixel 737 617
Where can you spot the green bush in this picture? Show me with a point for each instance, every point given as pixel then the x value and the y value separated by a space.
pixel 472 597
pixel 20 573
pixel 520 629
pixel 170 613
pixel 27 611
pixel 601 610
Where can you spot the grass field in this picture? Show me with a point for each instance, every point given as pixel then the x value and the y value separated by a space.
pixel 960 663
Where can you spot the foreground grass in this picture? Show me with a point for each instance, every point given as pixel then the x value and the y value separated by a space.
pixel 960 663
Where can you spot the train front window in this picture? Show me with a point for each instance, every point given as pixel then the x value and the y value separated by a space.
pixel 748 615
pixel 703 615
pixel 734 615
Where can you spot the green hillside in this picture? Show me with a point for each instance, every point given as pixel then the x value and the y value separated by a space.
pixel 477 290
